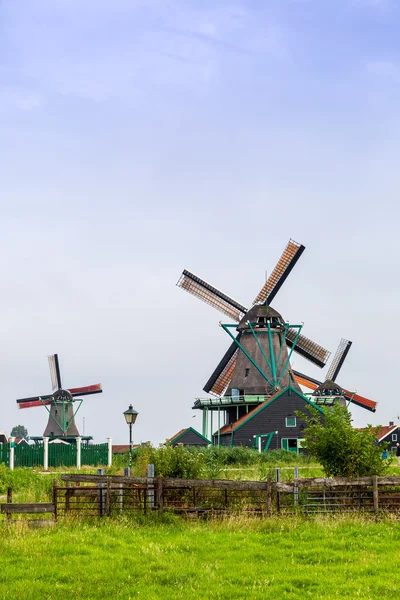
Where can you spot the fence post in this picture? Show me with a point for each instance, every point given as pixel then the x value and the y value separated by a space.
pixel 269 495
pixel 150 486
pixel 100 494
pixel 277 479
pixel 375 493
pixel 55 484
pixel 12 456
pixel 45 453
pixel 159 492
pixel 78 452
pixel 295 487
pixel 109 457
pixel 9 501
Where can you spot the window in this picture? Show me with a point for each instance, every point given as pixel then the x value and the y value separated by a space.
pixel 394 437
pixel 246 373
pixel 290 421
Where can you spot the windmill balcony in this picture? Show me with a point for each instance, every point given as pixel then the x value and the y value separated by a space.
pixel 224 401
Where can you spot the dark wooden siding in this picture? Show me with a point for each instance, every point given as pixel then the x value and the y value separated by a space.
pixel 273 418
pixel 388 438
pixel 190 438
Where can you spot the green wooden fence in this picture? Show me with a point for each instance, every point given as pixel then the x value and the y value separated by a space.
pixel 60 455
pixel 28 456
pixel 5 453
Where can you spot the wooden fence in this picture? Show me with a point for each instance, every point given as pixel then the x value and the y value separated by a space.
pixel 101 495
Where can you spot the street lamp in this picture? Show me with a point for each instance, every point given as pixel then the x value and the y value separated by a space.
pixel 130 417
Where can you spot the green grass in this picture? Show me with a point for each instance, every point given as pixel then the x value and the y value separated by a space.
pixel 175 559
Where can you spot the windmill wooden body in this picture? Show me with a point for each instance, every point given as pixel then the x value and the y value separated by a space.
pixel 256 367
pixel 62 405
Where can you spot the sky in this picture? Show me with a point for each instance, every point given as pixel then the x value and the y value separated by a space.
pixel 139 138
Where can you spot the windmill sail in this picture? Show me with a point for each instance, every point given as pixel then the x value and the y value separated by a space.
pixel 338 359
pixel 222 375
pixel 283 267
pixel 209 294
pixel 55 372
pixel 307 348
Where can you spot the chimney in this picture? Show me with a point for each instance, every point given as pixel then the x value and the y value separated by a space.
pixel 391 423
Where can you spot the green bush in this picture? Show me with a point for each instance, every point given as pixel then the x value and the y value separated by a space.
pixel 342 450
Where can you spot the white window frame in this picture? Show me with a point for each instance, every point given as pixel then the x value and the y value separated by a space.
pixel 394 437
pixel 295 421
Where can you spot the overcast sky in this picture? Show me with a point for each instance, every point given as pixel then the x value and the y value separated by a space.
pixel 142 137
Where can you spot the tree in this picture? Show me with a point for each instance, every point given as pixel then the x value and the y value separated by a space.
pixel 342 450
pixel 19 431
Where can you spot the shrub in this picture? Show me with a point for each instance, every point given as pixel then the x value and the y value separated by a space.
pixel 342 450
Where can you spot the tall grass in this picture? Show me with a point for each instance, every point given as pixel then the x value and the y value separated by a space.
pixel 226 560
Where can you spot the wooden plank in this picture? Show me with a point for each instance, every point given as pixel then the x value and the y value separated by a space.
pixel 159 493
pixel 375 493
pixel 115 479
pixel 215 484
pixel 169 482
pixel 9 501
pixel 21 509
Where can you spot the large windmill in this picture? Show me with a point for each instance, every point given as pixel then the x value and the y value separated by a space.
pixel 327 391
pixel 62 404
pixel 257 363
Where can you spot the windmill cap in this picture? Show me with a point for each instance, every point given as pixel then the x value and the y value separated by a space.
pixel 257 311
pixel 328 386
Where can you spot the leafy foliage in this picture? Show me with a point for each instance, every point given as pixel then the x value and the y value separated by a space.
pixel 19 431
pixel 342 450
pixel 169 461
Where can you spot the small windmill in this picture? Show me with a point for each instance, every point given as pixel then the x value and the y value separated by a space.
pixel 328 391
pixel 262 312
pixel 62 404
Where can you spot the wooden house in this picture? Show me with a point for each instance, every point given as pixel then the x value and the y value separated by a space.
pixel 189 437
pixel 273 425
pixel 389 436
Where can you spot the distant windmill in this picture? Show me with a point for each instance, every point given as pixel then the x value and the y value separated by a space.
pixel 61 401
pixel 325 392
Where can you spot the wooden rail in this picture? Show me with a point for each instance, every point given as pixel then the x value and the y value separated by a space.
pixel 108 495
pixel 10 508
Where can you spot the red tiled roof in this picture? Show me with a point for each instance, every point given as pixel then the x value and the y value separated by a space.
pixel 122 448
pixel 178 434
pixel 383 431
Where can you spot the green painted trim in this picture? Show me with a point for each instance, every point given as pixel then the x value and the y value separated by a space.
pixel 271 400
pixel 53 416
pixel 225 327
pixel 173 440
pixel 285 366
pixel 271 352
pixel 283 342
pixel 260 347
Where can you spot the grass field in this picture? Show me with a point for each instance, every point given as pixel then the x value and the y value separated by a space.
pixel 240 558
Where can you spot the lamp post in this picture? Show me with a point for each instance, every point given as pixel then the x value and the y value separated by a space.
pixel 130 417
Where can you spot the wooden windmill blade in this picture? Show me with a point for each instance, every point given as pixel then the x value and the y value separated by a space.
pixel 87 390
pixel 338 360
pixel 307 348
pixel 211 295
pixel 222 374
pixel 55 372
pixel 35 401
pixel 285 264
pixel 312 384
